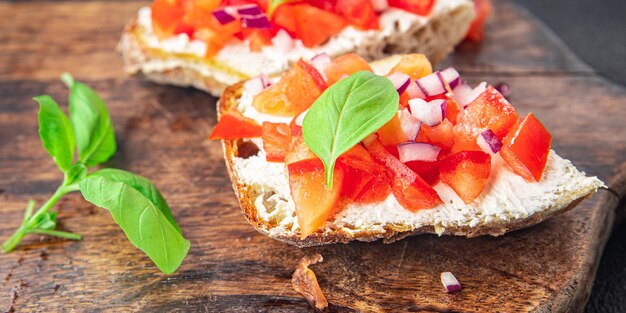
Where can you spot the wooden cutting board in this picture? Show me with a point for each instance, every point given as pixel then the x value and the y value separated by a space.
pixel 162 133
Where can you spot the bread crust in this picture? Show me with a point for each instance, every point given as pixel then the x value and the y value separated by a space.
pixel 246 195
pixel 435 39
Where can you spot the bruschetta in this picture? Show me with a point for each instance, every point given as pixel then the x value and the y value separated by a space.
pixel 212 44
pixel 445 158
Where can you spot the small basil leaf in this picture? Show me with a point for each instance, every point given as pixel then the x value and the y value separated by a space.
pixel 47 221
pixel 77 172
pixel 274 4
pixel 142 185
pixel 143 223
pixel 90 118
pixel 346 113
pixel 56 132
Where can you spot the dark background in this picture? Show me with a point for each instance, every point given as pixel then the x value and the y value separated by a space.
pixel 595 30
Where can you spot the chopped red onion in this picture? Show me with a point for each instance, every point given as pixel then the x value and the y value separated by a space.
pixel 463 94
pixel 282 40
pixel 451 76
pixel 431 85
pixel 417 151
pixel 489 142
pixel 300 118
pixel 380 5
pixel 410 124
pixel 400 81
pixel 249 10
pixel 258 22
pixel 504 89
pixel 256 84
pixel 321 62
pixel 414 91
pixel 450 282
pixel 223 17
pixel 430 113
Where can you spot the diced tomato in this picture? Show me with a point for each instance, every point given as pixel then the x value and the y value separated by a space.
pixel 414 65
pixel 467 173
pixel 315 204
pixel 233 125
pixel 476 31
pixel 298 150
pixel 347 65
pixel 526 147
pixel 262 3
pixel 166 15
pixel 404 99
pixel 359 13
pixel 452 110
pixel 489 111
pixel 276 141
pixel 207 5
pixel 365 181
pixel 326 5
pixel 392 133
pixel 213 40
pixel 440 135
pixel 411 191
pixel 308 23
pixel 428 171
pixel 298 88
pixel 419 7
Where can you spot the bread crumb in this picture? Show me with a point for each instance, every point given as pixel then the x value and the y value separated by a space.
pixel 304 281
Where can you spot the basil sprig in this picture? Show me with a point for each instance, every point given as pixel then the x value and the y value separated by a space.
pixel 346 113
pixel 134 202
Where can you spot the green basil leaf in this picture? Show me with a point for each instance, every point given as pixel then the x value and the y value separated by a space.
pixel 90 118
pixel 142 185
pixel 274 4
pixel 56 132
pixel 346 113
pixel 143 223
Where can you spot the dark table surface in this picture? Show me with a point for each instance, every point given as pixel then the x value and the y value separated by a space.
pixel 596 32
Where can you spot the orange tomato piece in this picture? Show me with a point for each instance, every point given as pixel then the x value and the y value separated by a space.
pixel 392 133
pixel 233 125
pixel 315 26
pixel 346 65
pixel 526 147
pixel 315 203
pixel 298 150
pixel 166 15
pixel 414 65
pixel 298 88
pixel 467 173
pixel 276 141
pixel 440 135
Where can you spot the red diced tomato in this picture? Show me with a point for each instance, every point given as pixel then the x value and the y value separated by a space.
pixel 526 147
pixel 258 38
pixel 359 13
pixel 467 173
pixel 419 7
pixel 414 65
pixel 276 141
pixel 312 25
pixel 298 88
pixel 411 191
pixel 476 31
pixel 440 135
pixel 233 125
pixel 345 65
pixel 315 204
pixel 452 110
pixel 428 171
pixel 489 111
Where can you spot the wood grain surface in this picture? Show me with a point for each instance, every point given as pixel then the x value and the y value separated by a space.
pixel 162 133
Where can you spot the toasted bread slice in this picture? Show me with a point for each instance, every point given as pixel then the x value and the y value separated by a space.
pixel 507 203
pixel 435 36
